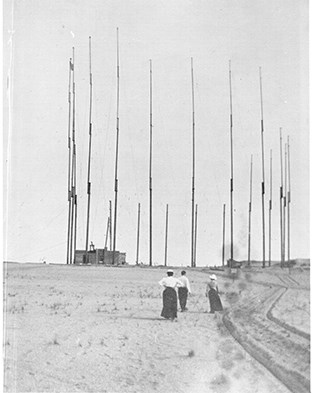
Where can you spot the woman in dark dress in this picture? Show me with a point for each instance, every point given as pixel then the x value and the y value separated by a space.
pixel 212 293
pixel 169 296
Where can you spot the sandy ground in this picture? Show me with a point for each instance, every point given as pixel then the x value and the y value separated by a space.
pixel 98 329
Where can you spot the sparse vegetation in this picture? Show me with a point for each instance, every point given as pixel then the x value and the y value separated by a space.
pixel 232 297
pixel 54 340
pixel 226 285
pixel 227 364
pixel 17 309
pixel 242 286
pixel 238 356
pixel 222 329
pixel 219 381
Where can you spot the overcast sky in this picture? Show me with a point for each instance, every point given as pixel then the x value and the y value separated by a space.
pixel 39 36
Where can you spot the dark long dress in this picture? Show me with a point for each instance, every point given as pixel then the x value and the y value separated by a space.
pixel 214 298
pixel 170 303
pixel 183 296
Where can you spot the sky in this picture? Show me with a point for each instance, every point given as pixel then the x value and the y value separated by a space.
pixel 38 41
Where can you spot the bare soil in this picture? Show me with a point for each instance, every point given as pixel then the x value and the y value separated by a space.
pixel 98 329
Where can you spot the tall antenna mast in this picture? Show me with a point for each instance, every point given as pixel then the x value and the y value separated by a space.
pixel 89 153
pixel 263 177
pixel 166 236
pixel 231 167
pixel 69 161
pixel 150 172
pixel 110 220
pixel 223 231
pixel 138 235
pixel 75 203
pixel 73 223
pixel 285 200
pixel 116 163
pixel 289 199
pixel 270 207
pixel 195 236
pixel 193 168
pixel 250 210
pixel 281 201
pixel 107 234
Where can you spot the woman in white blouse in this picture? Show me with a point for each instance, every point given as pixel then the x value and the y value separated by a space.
pixel 169 295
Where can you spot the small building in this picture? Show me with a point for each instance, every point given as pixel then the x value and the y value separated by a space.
pixel 232 263
pixel 100 256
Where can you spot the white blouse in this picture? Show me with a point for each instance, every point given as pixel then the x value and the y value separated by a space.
pixel 170 282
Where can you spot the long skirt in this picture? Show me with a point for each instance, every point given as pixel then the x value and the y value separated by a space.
pixel 215 302
pixel 170 303
pixel 183 296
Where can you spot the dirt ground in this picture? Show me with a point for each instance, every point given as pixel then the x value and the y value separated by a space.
pixel 98 329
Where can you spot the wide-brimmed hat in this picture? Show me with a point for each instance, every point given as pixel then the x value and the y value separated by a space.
pixel 213 277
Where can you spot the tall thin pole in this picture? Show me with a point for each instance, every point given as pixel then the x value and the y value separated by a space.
pixel 89 153
pixel 270 208
pixel 75 205
pixel 223 232
pixel 69 161
pixel 263 177
pixel 73 174
pixel 285 200
pixel 288 200
pixel 281 201
pixel 250 210
pixel 195 236
pixel 231 166
pixel 150 172
pixel 138 235
pixel 107 234
pixel 193 168
pixel 116 162
pixel 110 220
pixel 166 236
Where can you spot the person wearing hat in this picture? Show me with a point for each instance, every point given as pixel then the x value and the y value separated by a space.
pixel 212 292
pixel 169 295
pixel 184 291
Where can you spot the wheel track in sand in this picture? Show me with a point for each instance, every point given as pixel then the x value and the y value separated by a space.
pixel 275 338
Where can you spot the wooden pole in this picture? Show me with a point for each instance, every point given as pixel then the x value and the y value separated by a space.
pixel 223 232
pixel 138 235
pixel 281 202
pixel 150 172
pixel 270 208
pixel 250 209
pixel 73 163
pixel 69 161
pixel 195 237
pixel 231 166
pixel 110 220
pixel 166 237
pixel 263 176
pixel 75 205
pixel 285 200
pixel 193 168
pixel 107 234
pixel 89 153
pixel 116 159
pixel 288 200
